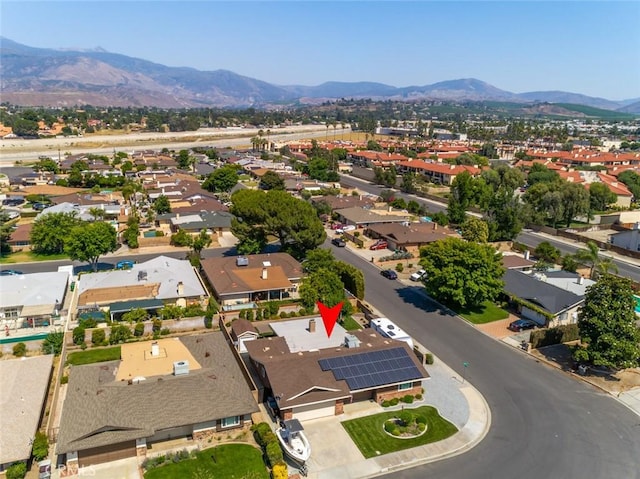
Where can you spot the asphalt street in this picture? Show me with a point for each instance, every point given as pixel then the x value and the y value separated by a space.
pixel 529 238
pixel 545 424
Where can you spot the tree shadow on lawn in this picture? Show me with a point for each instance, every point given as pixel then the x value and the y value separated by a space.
pixel 417 296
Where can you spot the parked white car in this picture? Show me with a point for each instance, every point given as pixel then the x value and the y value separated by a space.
pixel 417 276
pixel 345 229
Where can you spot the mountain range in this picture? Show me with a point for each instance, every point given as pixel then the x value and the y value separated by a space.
pixel 49 77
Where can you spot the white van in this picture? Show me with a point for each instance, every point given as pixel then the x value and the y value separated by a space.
pixel 417 276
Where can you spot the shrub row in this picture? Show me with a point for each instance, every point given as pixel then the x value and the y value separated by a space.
pixel 172 457
pixel 268 441
pixel 557 335
pixel 408 399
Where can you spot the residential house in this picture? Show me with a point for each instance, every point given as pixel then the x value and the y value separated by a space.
pixel 312 375
pixel 25 383
pixel 21 237
pixel 188 388
pixel 238 282
pixel 216 222
pixel 409 236
pixel 551 298
pixel 363 218
pixel 30 300
pixel 148 285
pixel 629 239
pixel 516 261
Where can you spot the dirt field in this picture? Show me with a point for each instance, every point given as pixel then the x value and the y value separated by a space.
pixel 615 383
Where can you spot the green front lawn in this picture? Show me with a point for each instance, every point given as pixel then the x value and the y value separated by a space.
pixel 94 356
pixel 231 461
pixel 368 433
pixel 486 313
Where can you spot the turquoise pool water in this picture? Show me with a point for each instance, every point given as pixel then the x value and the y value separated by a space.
pixel 18 339
pixel 637 299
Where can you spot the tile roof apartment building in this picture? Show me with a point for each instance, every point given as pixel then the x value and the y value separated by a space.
pixel 177 388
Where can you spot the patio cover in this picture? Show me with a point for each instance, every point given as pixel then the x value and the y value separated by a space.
pixel 126 306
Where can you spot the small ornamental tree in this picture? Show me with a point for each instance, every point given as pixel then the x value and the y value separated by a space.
pixel 40 446
pixel 607 325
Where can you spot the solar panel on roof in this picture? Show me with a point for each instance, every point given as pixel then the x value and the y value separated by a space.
pixel 371 369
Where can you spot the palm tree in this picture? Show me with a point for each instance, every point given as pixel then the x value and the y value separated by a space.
pixel 97 213
pixel 605 266
pixel 589 255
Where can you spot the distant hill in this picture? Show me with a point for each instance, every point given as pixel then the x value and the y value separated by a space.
pixel 48 77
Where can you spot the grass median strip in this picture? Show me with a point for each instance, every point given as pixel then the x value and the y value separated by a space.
pixel 369 435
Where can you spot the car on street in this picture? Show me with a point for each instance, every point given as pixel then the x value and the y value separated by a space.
pixel 339 242
pixel 379 245
pixel 521 325
pixel 10 272
pixel 345 228
pixel 337 226
pixel 417 276
pixel 389 274
pixel 44 469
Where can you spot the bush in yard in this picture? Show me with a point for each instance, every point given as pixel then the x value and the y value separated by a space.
pixel 274 453
pixel 249 315
pixel 97 337
pixel 263 433
pixel 20 350
pixel 428 358
pixel 64 379
pixel 386 403
pixel 399 268
pixel 78 335
pixel 390 427
pixel 394 401
pixel 17 470
pixel 408 399
pixel 119 334
pixel 421 420
pixel 559 334
pixel 138 330
pixel 406 417
pixel 283 314
pixel 165 331
pixel 208 322
pixel 419 397
pixel 280 471
pixel 40 446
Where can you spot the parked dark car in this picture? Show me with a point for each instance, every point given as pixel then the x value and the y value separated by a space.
pixel 521 325
pixel 10 272
pixel 339 242
pixel 389 274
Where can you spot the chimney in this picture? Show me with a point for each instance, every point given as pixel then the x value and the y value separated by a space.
pixel 435 226
pixel 526 254
pixel 180 288
pixel 155 349
pixel 580 279
pixel 312 325
pixel 264 273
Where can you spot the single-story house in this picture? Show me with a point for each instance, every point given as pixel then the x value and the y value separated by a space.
pixel 311 375
pixel 550 299
pixel 363 217
pixel 629 239
pixel 148 285
pixel 21 237
pixel 191 388
pixel 243 330
pixel 516 261
pixel 238 281
pixel 214 221
pixel 30 300
pixel 23 395
pixel 409 237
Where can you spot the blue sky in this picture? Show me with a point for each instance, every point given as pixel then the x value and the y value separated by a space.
pixel 587 47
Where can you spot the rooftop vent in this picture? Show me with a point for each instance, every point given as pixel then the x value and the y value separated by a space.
pixel 242 261
pixel 180 368
pixel 155 349
pixel 142 275
pixel 351 341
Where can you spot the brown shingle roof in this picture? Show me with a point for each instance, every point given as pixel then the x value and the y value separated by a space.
pixel 298 379
pixel 227 278
pixel 99 411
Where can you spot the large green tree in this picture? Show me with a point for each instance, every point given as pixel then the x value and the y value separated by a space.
pixel 607 324
pixel 260 214
pixel 575 200
pixel 272 181
pixel 322 285
pixel 460 273
pixel 89 241
pixel 222 179
pixel 461 197
pixel 50 232
pixel 162 205
pixel 475 229
pixel 600 197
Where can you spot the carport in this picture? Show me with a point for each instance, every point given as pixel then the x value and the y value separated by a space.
pixel 118 309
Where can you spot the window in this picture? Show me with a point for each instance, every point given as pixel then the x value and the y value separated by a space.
pixel 230 421
pixel 404 386
pixel 11 313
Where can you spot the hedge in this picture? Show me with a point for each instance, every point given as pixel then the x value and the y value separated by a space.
pixel 557 335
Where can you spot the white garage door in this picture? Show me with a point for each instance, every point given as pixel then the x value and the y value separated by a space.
pixel 315 411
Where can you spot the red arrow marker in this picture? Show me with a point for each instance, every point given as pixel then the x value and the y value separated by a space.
pixel 329 316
